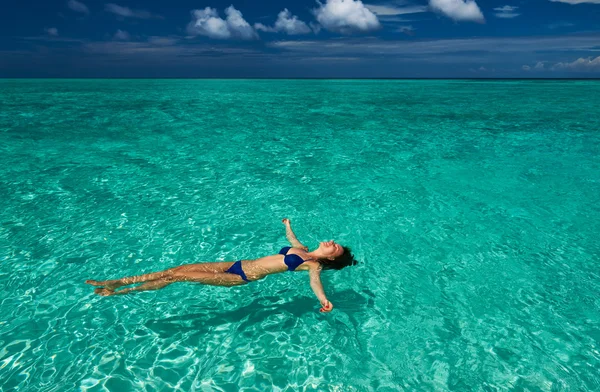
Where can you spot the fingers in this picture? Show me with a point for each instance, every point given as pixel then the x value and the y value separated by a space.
pixel 285 221
pixel 327 307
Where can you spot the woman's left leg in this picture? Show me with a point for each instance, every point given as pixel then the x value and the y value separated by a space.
pixel 215 267
pixel 210 278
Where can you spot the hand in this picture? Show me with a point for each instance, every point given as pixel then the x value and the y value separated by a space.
pixel 327 307
pixel 286 221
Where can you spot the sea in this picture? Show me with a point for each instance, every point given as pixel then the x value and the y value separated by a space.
pixel 472 207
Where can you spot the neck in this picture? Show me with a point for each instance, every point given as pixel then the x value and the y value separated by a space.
pixel 315 254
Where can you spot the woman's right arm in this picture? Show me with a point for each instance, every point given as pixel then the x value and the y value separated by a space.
pixel 317 287
pixel 289 234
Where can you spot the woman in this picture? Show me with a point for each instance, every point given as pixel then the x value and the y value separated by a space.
pixel 329 255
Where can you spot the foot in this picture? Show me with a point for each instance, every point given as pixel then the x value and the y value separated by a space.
pixel 104 292
pixel 108 284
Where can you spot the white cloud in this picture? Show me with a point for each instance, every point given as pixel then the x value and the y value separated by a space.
pixel 526 68
pixel 539 65
pixel 506 12
pixel 53 31
pixel 265 28
pixel 78 6
pixel 506 8
pixel 290 23
pixel 458 10
pixel 482 70
pixel 121 35
pixel 207 22
pixel 238 25
pixel 127 12
pixel 581 64
pixel 346 16
pixel 286 23
pixel 392 10
pixel 573 2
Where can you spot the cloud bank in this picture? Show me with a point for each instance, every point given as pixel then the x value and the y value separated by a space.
pixel 207 22
pixel 458 10
pixel 482 47
pixel 346 16
pixel 581 64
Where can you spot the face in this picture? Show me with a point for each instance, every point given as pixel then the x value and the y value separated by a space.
pixel 330 249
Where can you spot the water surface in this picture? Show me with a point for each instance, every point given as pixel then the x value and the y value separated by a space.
pixel 473 207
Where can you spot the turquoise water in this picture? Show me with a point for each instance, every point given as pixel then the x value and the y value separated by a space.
pixel 473 207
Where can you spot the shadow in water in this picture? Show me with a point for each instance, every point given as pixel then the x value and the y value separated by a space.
pixel 348 301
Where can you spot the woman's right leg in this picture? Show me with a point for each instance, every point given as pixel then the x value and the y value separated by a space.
pixel 152 285
pixel 116 283
pixel 209 278
pixel 218 267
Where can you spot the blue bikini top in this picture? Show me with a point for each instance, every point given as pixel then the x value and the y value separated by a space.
pixel 292 261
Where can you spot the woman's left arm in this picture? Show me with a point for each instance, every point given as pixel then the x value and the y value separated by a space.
pixel 317 287
pixel 289 234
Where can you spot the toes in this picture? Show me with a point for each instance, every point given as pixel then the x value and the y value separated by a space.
pixel 103 292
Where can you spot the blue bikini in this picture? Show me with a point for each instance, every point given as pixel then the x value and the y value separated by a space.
pixel 292 261
pixel 236 269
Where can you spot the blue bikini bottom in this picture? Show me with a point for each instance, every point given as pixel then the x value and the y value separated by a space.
pixel 236 269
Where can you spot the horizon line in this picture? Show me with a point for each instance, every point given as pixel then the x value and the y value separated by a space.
pixel 297 78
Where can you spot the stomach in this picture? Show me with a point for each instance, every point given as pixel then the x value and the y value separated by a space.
pixel 259 268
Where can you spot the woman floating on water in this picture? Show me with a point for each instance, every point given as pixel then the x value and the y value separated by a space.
pixel 329 255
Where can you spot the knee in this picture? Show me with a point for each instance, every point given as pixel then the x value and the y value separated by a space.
pixel 170 274
pixel 175 274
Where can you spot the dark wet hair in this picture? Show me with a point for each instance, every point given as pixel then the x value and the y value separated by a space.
pixel 344 260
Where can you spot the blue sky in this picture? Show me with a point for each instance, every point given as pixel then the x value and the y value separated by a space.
pixel 331 38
